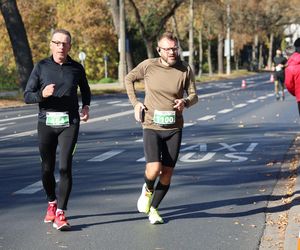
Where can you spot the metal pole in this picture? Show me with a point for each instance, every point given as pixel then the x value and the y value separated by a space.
pixel 122 63
pixel 105 67
pixel 228 55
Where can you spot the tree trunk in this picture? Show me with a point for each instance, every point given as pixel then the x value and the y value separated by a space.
pixel 149 47
pixel 236 59
pixel 191 35
pixel 18 39
pixel 260 58
pixel 220 54
pixel 150 36
pixel 270 56
pixel 122 63
pixel 254 48
pixel 210 71
pixel 175 28
pixel 115 13
pixel 200 53
pixel 129 61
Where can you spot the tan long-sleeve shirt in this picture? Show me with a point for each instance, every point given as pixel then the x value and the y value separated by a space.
pixel 163 84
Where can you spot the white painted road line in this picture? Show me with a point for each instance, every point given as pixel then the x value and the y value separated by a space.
pixel 113 102
pixel 218 93
pixel 207 117
pixel 26 133
pixel 6 124
pixel 18 118
pixel 106 117
pixel 106 155
pixel 188 124
pixel 262 97
pixel 32 132
pixel 33 188
pixel 240 105
pixel 141 159
pixel 123 104
pixel 224 111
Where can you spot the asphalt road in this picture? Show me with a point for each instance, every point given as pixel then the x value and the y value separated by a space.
pixel 220 189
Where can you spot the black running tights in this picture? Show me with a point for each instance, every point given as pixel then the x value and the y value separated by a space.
pixel 49 139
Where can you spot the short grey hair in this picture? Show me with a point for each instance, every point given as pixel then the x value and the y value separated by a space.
pixel 62 31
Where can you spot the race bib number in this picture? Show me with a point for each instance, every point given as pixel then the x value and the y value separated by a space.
pixel 57 119
pixel 164 117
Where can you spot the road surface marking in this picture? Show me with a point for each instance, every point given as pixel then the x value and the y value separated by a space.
pixel 18 118
pixel 262 97
pixel 6 124
pixel 188 124
pixel 123 104
pixel 26 133
pixel 33 188
pixel 207 117
pixel 141 159
pixel 113 102
pixel 224 111
pixel 240 105
pixel 106 155
pixel 32 132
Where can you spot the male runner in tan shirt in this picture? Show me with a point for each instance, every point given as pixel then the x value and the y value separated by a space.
pixel 166 80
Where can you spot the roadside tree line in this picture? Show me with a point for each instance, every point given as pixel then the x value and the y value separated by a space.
pixel 256 27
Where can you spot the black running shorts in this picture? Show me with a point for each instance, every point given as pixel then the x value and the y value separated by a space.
pixel 162 146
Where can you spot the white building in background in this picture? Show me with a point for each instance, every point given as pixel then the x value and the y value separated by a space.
pixel 292 32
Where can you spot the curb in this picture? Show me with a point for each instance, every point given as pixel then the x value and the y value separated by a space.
pixel 9 94
pixel 292 240
pixel 292 232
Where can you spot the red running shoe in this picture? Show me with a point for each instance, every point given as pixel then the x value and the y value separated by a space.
pixel 60 222
pixel 50 215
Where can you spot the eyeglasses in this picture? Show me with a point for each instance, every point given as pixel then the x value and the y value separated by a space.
pixel 168 50
pixel 58 43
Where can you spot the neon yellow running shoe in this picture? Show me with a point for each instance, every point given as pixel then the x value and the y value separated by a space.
pixel 154 216
pixel 144 202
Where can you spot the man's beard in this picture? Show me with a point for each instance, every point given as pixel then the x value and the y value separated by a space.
pixel 170 61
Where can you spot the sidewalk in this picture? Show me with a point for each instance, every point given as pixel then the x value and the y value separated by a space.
pixel 292 231
pixel 9 93
pixel 283 212
pixel 106 86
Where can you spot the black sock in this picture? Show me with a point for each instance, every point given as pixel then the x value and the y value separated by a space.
pixel 159 193
pixel 149 184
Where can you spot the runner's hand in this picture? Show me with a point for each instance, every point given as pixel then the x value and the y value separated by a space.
pixel 137 110
pixel 179 104
pixel 84 113
pixel 48 90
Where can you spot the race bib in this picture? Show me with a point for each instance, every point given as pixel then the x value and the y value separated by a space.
pixel 164 117
pixel 278 68
pixel 57 119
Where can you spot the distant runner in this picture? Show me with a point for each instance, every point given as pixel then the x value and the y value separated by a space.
pixel 279 65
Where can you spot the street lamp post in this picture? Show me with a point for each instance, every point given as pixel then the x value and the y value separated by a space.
pixel 228 38
pixel 122 48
